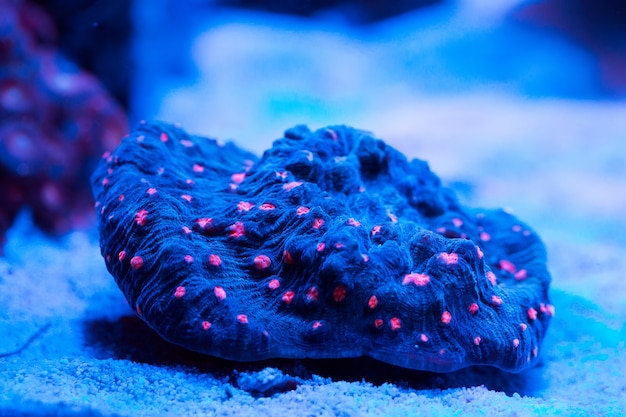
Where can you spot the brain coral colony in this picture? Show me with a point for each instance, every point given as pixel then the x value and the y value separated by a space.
pixel 331 245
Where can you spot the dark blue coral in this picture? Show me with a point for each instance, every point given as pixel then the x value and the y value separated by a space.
pixel 331 245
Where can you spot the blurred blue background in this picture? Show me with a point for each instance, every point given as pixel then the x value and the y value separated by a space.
pixel 514 104
pixel 243 73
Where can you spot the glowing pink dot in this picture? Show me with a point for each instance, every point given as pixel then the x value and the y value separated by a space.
pixel 186 143
pixel 393 217
pixel 477 340
pixel 242 318
pixel 491 277
pixel 484 236
pixel 375 230
pixel 281 174
pixel 473 308
pixel 136 262
pixel 395 323
pixel 302 210
pixel 532 314
pixel 140 217
pixel 353 222
pixel 105 181
pixel 164 137
pixel 244 206
pixel 287 257
pixel 291 185
pixel 423 338
pixel 517 228
pixel 186 230
pixel 446 317
pixel 219 293
pixel 321 246
pixel 515 342
pixel 365 257
pixel 521 275
pixel 180 292
pixel 496 301
pixel 204 223
pixel 312 294
pixel 457 222
pixel 378 323
pixel 121 197
pixel 535 351
pixel 121 255
pixel 479 253
pixel 507 266
pixel 186 197
pixel 189 181
pixel 373 302
pixel 523 326
pixel 317 223
pixel 274 284
pixel 288 297
pixel 215 260
pixel 262 262
pixel 267 206
pixel 151 191
pixel 206 325
pixel 449 258
pixel 236 230
pixel 339 245
pixel 339 293
pixel 417 279
pixel 238 178
pixel 317 325
pixel 188 259
pixel 198 168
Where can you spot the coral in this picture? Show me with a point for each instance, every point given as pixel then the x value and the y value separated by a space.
pixel 55 123
pixel 331 245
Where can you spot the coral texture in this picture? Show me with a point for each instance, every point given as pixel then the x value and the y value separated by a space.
pixel 331 245
pixel 55 123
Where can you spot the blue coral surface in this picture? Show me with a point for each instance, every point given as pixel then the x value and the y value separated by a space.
pixel 330 245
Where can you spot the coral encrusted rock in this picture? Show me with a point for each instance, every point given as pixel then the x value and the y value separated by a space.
pixel 331 245
pixel 55 122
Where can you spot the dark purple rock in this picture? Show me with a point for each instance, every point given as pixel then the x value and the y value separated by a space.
pixel 55 123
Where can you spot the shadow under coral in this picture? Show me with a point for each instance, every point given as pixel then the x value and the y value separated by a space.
pixel 129 338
